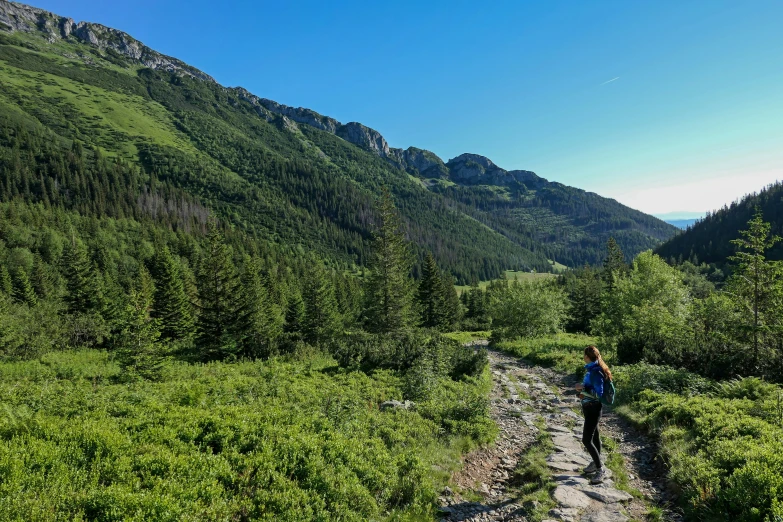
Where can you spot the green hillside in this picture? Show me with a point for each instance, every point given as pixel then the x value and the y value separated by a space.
pixel 277 178
pixel 709 240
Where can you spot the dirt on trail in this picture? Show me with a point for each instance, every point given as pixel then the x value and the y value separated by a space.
pixel 526 399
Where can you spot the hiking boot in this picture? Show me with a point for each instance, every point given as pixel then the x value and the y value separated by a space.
pixel 591 468
pixel 599 476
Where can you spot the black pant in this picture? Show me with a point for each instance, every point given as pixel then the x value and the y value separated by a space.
pixel 590 438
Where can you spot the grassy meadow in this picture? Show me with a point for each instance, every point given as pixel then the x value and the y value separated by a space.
pixel 292 438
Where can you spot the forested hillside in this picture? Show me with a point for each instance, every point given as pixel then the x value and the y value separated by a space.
pixel 709 240
pixel 286 176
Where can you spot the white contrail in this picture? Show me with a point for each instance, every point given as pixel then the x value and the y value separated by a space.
pixel 610 81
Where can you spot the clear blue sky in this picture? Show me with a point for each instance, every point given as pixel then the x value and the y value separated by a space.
pixel 698 94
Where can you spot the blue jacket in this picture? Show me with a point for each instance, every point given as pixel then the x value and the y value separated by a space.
pixel 593 382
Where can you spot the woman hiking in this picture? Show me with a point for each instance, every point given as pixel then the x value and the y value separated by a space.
pixel 591 390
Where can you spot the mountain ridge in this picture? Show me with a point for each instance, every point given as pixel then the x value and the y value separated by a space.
pixel 546 219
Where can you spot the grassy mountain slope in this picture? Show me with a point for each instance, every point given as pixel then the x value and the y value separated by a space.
pixel 287 182
pixel 709 239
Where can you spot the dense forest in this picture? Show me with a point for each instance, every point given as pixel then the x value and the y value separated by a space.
pixel 709 240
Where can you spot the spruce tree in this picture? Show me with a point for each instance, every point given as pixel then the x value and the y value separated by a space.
pixel 321 321
pixel 756 288
pixel 139 353
pixel 294 312
pixel 82 288
pixel 22 289
pixel 6 285
pixel 585 298
pixel 259 325
pixel 452 308
pixel 41 278
pixel 431 298
pixel 218 296
pixel 614 264
pixel 171 303
pixel 389 292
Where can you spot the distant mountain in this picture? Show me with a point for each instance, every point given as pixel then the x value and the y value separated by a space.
pixel 709 239
pixel 289 175
pixel 681 223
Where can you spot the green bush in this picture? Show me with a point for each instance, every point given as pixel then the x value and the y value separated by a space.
pixel 286 439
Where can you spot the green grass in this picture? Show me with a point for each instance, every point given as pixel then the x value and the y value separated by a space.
pixel 564 352
pixel 509 276
pixel 98 111
pixel 534 477
pixel 278 440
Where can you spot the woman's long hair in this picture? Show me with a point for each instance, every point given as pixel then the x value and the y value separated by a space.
pixel 594 355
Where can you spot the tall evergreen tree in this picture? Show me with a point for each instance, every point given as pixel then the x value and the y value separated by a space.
pixel 218 296
pixel 614 264
pixel 585 297
pixel 171 303
pixel 294 312
pixel 139 352
pixel 389 294
pixel 83 292
pixel 6 285
pixel 431 298
pixel 22 288
pixel 321 321
pixel 756 287
pixel 452 308
pixel 259 325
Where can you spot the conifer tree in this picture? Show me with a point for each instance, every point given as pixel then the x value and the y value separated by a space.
pixel 218 296
pixel 431 297
pixel 82 288
pixel 171 303
pixel 41 278
pixel 139 352
pixel 6 285
pixel 321 321
pixel 452 308
pixel 585 298
pixel 756 288
pixel 294 313
pixel 259 326
pixel 22 289
pixel 389 294
pixel 614 264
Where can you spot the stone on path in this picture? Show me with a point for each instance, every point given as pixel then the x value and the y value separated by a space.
pixel 570 497
pixel 607 495
pixel 605 515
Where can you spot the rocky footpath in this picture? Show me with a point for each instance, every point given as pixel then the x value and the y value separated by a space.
pixel 525 400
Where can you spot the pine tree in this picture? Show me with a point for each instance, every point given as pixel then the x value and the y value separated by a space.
pixel 431 298
pixel 139 352
pixel 218 296
pixel 321 321
pixel 389 293
pixel 294 312
pixel 756 287
pixel 452 308
pixel 22 289
pixel 82 289
pixel 41 278
pixel 614 264
pixel 259 324
pixel 171 303
pixel 6 285
pixel 585 298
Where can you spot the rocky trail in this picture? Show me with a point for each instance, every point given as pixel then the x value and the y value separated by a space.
pixel 526 400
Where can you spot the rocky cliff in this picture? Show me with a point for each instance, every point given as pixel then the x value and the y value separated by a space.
pixel 20 17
